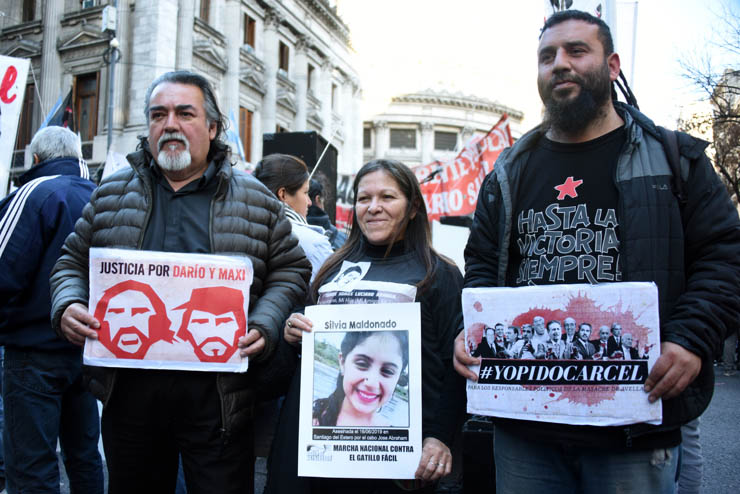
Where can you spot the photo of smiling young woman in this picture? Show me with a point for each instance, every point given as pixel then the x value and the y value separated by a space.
pixel 361 379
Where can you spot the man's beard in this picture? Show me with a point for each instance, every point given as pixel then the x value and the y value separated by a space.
pixel 177 161
pixel 573 115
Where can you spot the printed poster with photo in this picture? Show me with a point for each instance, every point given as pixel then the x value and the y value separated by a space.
pixel 360 413
pixel 349 286
pixel 572 354
pixel 165 310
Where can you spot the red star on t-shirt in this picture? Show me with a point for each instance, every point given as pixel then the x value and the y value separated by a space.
pixel 568 188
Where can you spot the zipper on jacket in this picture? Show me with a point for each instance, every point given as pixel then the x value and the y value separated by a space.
pixel 225 433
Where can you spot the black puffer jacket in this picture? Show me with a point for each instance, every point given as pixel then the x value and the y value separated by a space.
pixel 691 253
pixel 246 220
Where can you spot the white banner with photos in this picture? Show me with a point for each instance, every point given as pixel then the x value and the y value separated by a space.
pixel 573 354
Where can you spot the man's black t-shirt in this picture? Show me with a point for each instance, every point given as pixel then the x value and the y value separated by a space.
pixel 565 227
pixel 566 230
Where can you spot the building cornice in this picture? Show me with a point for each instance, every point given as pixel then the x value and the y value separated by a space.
pixel 458 100
pixel 329 16
pixel 83 16
pixel 17 31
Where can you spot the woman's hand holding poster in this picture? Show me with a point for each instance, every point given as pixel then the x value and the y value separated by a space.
pixel 360 412
pixel 573 354
pixel 163 310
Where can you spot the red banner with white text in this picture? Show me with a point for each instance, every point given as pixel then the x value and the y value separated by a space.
pixel 451 188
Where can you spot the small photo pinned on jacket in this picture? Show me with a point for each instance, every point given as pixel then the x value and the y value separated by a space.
pixel 349 273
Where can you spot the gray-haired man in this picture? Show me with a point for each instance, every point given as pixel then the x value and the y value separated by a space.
pixel 182 195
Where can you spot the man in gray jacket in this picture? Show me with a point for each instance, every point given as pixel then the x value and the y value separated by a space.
pixel 182 195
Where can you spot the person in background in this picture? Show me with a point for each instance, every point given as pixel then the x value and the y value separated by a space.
pixel 287 177
pixel 318 216
pixel 44 396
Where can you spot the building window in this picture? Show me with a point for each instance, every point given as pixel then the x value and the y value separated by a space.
pixel 249 30
pixel 284 54
pixel 86 105
pixel 205 8
pixel 334 99
pixel 25 123
pixel 245 131
pixel 85 4
pixel 29 10
pixel 403 138
pixel 309 77
pixel 367 138
pixel 445 141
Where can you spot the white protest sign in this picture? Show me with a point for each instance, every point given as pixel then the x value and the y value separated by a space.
pixel 573 354
pixel 165 310
pixel 13 73
pixel 360 414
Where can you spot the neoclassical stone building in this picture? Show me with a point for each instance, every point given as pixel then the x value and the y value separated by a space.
pixel 278 65
pixel 421 127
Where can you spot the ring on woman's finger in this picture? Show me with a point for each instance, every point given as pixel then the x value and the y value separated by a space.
pixel 441 465
pixel 290 324
pixel 432 462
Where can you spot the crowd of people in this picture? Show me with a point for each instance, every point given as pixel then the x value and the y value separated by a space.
pixel 181 195
pixel 557 341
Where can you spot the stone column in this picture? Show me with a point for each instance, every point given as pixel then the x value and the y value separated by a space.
pixel 257 136
pixel 427 142
pixel 269 101
pixel 215 18
pixel 465 135
pixel 357 118
pixel 300 74
pixel 185 21
pixel 327 68
pixel 155 21
pixel 347 122
pixel 121 77
pixel 381 138
pixel 51 65
pixel 232 31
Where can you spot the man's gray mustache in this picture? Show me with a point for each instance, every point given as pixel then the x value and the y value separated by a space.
pixel 172 137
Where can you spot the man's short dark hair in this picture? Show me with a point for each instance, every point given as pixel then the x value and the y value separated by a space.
pixel 604 34
pixel 315 189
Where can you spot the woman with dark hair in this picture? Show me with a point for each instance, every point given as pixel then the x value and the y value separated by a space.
pixel 391 240
pixel 287 177
pixel 371 364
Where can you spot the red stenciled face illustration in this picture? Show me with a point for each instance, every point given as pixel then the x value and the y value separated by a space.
pixel 213 322
pixel 132 317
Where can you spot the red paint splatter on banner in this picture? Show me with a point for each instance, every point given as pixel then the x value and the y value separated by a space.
pixel 478 307
pixel 583 309
pixel 495 397
pixel 475 335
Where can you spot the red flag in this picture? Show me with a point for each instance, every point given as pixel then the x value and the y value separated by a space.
pixel 451 188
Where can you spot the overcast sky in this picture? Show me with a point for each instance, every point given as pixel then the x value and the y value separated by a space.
pixel 488 48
